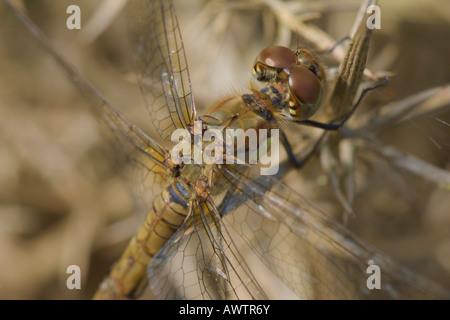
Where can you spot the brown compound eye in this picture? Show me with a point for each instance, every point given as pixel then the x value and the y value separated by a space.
pixel 271 61
pixel 277 57
pixel 307 60
pixel 306 93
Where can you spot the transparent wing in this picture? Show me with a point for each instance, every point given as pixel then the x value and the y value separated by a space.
pixel 161 66
pixel 143 158
pixel 202 262
pixel 309 251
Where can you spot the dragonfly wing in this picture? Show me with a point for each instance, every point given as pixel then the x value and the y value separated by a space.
pixel 201 262
pixel 161 66
pixel 143 157
pixel 309 251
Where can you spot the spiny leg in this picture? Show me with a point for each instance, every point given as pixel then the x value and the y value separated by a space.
pixel 334 126
pixel 299 163
pixel 335 45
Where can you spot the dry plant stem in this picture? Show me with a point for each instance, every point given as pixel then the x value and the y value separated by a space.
pixel 321 40
pixel 334 169
pixel 409 163
pixel 100 21
pixel 437 102
pixel 341 99
pixel 347 156
pixel 429 100
pixel 352 68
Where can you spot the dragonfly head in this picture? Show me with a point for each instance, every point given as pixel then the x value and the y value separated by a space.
pixel 299 70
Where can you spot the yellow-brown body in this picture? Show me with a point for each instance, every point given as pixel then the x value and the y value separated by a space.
pixel 176 202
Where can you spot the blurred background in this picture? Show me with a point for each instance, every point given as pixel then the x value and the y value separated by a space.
pixel 63 200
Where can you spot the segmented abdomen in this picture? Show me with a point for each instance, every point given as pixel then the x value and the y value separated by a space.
pixel 128 276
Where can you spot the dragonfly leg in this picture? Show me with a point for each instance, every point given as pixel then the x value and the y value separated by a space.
pixel 335 45
pixel 333 125
pixel 288 148
pixel 300 162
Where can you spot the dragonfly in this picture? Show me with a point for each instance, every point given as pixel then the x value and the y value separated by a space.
pixel 186 247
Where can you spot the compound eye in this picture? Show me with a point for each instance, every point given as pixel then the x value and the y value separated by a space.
pixel 277 57
pixel 305 86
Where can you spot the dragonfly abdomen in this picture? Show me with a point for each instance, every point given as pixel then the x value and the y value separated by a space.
pixel 128 276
